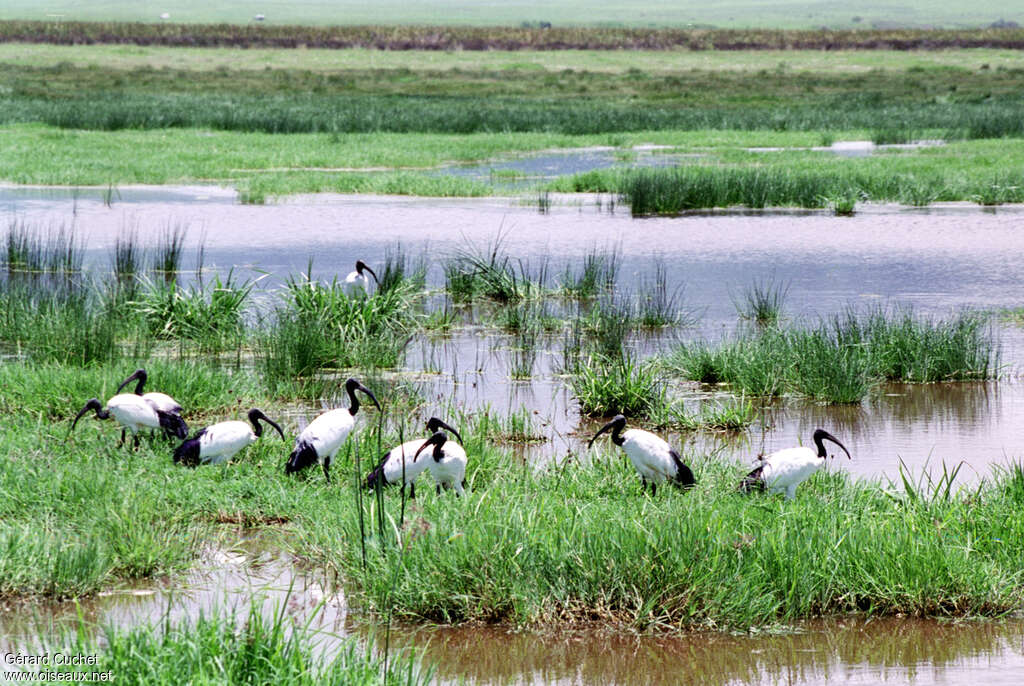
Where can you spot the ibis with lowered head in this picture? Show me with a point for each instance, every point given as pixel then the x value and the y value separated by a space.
pixel 220 442
pixel 160 401
pixel 399 466
pixel 448 466
pixel 786 469
pixel 320 441
pixel 654 460
pixel 134 413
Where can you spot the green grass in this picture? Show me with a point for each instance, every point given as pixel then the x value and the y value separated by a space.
pixel 574 541
pixel 266 647
pixel 843 357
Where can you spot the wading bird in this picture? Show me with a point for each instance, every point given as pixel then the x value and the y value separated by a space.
pixel 133 412
pixel 161 401
pixel 400 461
pixel 449 464
pixel 655 461
pixel 320 441
pixel 356 281
pixel 786 469
pixel 219 442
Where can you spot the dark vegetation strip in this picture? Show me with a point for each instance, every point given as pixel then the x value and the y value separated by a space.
pixel 992 118
pixel 500 38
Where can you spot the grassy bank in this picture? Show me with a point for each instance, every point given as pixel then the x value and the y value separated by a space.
pixel 577 542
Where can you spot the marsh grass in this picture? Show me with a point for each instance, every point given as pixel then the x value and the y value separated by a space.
pixel 517 426
pixel 656 306
pixel 263 646
pixel 596 276
pixel 845 356
pixel 168 252
pixel 761 303
pixel 488 272
pixel 606 386
pixel 533 555
pixel 31 249
pixel 398 272
pixel 212 316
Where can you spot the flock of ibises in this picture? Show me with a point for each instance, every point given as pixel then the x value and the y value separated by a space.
pixel 652 457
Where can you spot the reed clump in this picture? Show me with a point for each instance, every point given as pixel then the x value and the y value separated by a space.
pixel 846 355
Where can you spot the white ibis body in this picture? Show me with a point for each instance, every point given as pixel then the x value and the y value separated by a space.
pixel 320 441
pixel 357 282
pixel 654 460
pixel 220 442
pixel 447 462
pixel 161 401
pixel 399 466
pixel 133 413
pixel 786 469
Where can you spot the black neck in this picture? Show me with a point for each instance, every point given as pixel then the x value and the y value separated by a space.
pixel 354 405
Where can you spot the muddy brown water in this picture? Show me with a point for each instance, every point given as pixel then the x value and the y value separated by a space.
pixel 938 261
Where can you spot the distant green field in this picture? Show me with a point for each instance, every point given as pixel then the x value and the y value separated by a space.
pixel 725 13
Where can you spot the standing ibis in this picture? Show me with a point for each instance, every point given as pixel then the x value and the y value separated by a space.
pixel 786 469
pixel 219 442
pixel 399 462
pixel 133 412
pixel 320 441
pixel 161 401
pixel 655 461
pixel 449 464
pixel 356 282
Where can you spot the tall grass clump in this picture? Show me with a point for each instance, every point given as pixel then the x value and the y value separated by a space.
pixel 663 190
pixel 30 249
pixel 319 327
pixel 596 276
pixel 488 272
pixel 398 271
pixel 845 356
pixel 656 307
pixel 761 303
pixel 622 385
pixel 263 647
pixel 168 252
pixel 213 315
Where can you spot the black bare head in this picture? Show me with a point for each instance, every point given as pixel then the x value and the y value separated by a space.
pixel 821 435
pixel 173 425
pixel 352 385
pixel 435 424
pixel 303 456
pixel 437 439
pixel 616 425
pixel 361 267
pixel 139 374
pixel 95 405
pixel 255 416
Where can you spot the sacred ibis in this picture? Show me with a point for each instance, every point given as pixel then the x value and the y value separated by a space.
pixel 357 282
pixel 320 441
pixel 133 412
pixel 161 401
pixel 786 469
pixel 449 464
pixel 219 442
pixel 398 466
pixel 655 461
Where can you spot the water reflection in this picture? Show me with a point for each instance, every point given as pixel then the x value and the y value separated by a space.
pixel 898 651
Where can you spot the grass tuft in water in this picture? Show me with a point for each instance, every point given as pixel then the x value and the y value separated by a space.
pixel 762 302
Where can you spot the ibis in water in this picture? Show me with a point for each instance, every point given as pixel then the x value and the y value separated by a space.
pixel 786 469
pixel 398 464
pixel 133 412
pixel 161 401
pixel 320 441
pixel 652 457
pixel 356 282
pixel 448 466
pixel 219 442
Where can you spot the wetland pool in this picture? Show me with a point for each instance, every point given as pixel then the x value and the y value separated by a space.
pixel 938 261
